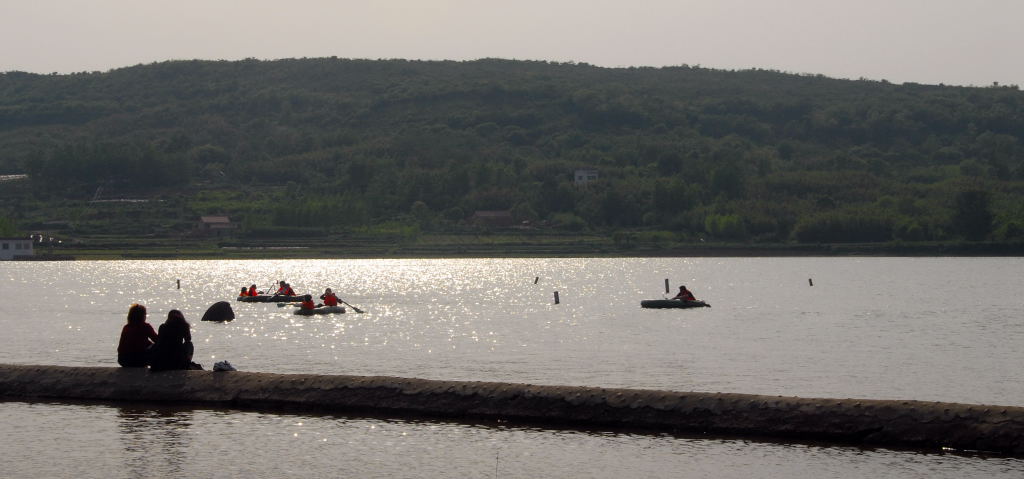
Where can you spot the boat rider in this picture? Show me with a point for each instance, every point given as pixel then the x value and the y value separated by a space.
pixel 285 290
pixel 252 291
pixel 245 292
pixel 307 302
pixel 330 299
pixel 684 295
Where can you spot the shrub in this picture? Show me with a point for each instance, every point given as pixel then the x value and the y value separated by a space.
pixel 844 227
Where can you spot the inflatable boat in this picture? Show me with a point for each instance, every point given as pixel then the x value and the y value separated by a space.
pixel 672 303
pixel 270 299
pixel 320 310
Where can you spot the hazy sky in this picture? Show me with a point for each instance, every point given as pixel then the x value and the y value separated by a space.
pixel 968 42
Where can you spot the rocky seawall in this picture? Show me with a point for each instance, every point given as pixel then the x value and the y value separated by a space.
pixel 911 424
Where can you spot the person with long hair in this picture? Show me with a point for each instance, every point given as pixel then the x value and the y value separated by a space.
pixel 173 349
pixel 137 336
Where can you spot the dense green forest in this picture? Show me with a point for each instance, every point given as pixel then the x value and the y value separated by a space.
pixel 683 154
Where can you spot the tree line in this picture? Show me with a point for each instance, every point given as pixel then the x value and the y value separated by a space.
pixel 751 155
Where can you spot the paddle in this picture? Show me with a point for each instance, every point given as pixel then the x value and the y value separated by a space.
pixel 342 301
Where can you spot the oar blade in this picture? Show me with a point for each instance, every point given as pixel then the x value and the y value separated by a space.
pixel 357 310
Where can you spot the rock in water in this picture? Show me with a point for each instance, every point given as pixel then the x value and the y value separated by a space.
pixel 220 311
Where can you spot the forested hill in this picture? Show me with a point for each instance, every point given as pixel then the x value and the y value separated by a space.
pixel 696 153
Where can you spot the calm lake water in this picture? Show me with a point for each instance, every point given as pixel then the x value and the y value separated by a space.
pixel 945 329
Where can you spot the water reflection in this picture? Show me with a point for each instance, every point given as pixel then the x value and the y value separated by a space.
pixel 74 440
pixel 155 440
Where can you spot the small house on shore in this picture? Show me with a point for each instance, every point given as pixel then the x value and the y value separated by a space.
pixel 497 218
pixel 215 226
pixel 11 247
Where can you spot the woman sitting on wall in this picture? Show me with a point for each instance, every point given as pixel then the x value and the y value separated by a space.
pixel 136 338
pixel 173 349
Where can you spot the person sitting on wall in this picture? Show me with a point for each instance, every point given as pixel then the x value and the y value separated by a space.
pixel 330 299
pixel 307 303
pixel 173 348
pixel 684 295
pixel 137 336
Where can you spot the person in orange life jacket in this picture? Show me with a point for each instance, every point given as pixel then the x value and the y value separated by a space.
pixel 684 295
pixel 330 299
pixel 285 290
pixel 307 302
pixel 252 290
pixel 245 291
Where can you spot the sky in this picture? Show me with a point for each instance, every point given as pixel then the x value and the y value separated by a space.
pixel 955 42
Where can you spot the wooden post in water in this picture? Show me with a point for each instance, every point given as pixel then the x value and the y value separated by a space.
pixel 536 279
pixel 179 284
pixel 810 282
pixel 666 285
pixel 556 297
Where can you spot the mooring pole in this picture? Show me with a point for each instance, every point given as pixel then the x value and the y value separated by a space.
pixel 556 297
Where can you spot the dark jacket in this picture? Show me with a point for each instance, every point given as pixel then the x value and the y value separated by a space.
pixel 173 348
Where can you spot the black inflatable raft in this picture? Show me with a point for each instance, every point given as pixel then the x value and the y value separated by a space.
pixel 320 310
pixel 672 303
pixel 270 299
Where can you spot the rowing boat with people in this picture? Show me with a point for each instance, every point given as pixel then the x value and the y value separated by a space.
pixel 672 303
pixel 266 298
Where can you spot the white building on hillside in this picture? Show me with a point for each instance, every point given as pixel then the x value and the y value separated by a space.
pixel 582 177
pixel 11 247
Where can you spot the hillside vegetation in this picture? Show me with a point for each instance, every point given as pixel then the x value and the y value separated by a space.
pixel 328 147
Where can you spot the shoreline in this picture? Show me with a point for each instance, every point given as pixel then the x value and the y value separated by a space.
pixel 714 251
pixel 497 244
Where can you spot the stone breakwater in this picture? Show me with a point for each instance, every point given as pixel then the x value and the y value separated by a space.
pixel 914 424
